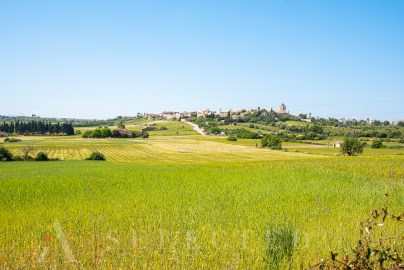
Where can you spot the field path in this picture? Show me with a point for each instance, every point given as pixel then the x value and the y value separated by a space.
pixel 196 128
pixel 308 146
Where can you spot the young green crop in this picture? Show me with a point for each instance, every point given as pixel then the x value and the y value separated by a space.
pixel 174 215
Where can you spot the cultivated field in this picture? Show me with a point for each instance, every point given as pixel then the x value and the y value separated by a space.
pixel 172 127
pixel 186 202
pixel 164 149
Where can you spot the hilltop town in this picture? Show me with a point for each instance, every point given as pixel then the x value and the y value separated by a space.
pixel 236 114
pixel 232 113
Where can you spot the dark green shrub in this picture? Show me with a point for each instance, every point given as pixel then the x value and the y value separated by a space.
pixel 145 135
pixel 232 138
pixel 96 156
pixel 271 141
pixel 215 130
pixel 106 132
pixel 246 134
pixel 18 158
pixel 96 133
pixel 5 154
pixel 11 140
pixel 86 134
pixel 377 143
pixel 41 156
pixel 135 134
pixel 163 128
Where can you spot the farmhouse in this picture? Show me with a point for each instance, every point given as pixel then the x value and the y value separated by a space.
pixel 337 144
pixel 3 134
pixel 308 120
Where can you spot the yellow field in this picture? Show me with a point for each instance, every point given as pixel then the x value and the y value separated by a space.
pixel 166 149
pixel 178 149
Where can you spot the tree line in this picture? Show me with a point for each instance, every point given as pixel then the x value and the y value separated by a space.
pixel 105 132
pixel 36 127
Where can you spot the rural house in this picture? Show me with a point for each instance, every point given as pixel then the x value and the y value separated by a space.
pixel 337 144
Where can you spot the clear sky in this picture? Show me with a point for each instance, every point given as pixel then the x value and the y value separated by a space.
pixel 100 59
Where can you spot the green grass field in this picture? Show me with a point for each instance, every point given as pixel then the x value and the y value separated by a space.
pixel 186 202
pixel 173 127
pixel 262 128
pixel 296 123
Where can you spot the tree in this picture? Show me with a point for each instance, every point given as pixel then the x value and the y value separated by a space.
pixel 394 134
pixel 376 123
pixel 115 134
pixel 96 156
pixel 121 124
pixel 96 133
pixel 5 154
pixel 232 138
pixel 381 134
pixel 351 147
pixel 377 143
pixel 135 134
pixel 86 134
pixel 26 150
pixel 106 132
pixel 215 130
pixel 246 134
pixel 316 129
pixel 271 141
pixel 37 127
pixel 41 156
pixel 68 129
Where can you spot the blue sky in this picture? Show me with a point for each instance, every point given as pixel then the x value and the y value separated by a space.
pixel 100 59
